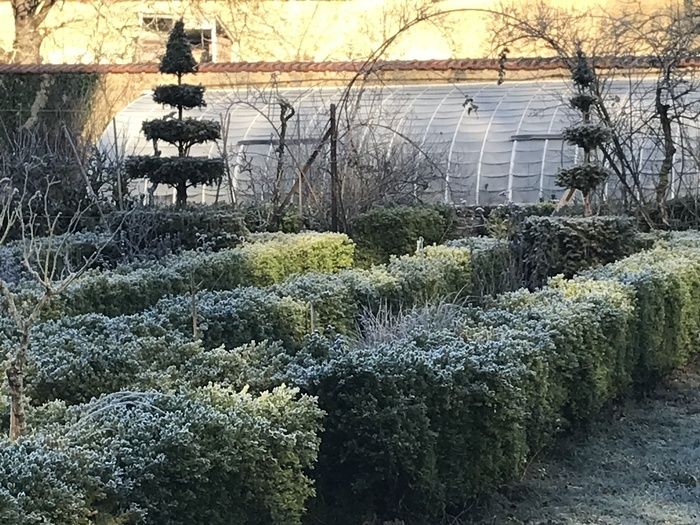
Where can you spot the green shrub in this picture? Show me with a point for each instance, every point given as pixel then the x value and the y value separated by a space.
pixel 434 272
pixel 384 232
pixel 666 284
pixel 215 456
pixel 504 221
pixel 687 239
pixel 157 232
pixel 557 245
pixel 77 358
pixel 420 425
pixel 132 288
pixel 236 317
pixel 211 455
pixel 44 481
pixel 495 269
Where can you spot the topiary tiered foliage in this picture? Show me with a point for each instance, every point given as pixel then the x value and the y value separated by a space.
pixel 181 172
pixel 588 136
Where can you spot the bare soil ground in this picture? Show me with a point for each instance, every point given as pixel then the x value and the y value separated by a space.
pixel 639 466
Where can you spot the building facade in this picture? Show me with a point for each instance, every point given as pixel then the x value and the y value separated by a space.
pixel 129 31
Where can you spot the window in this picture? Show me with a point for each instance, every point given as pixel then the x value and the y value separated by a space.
pixel 157 23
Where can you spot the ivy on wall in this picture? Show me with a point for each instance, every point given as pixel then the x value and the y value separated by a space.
pixel 45 101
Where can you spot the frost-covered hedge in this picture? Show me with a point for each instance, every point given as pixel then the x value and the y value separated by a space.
pixel 131 288
pixel 78 357
pixel 211 455
pixel 447 404
pixel 453 406
pixel 567 245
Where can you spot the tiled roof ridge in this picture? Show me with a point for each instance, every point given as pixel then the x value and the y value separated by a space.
pixel 466 64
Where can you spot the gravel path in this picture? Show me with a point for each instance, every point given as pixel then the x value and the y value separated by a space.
pixel 639 466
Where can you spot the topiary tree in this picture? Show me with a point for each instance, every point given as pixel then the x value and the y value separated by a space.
pixel 181 172
pixel 588 136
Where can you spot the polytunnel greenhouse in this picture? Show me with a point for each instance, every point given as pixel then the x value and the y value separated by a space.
pixel 480 143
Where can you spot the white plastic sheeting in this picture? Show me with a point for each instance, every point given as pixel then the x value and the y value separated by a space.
pixel 505 145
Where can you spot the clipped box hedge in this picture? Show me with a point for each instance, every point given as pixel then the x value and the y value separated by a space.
pixel 132 288
pixel 394 231
pixel 75 358
pixel 567 245
pixel 420 425
pixel 208 455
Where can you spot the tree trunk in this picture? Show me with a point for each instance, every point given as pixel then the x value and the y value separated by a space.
pixel 587 207
pixel 663 185
pixel 15 380
pixel 26 47
pixel 181 195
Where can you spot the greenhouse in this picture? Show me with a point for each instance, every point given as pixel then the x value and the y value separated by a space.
pixel 487 144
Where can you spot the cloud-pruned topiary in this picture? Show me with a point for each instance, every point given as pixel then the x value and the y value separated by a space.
pixel 587 135
pixel 181 172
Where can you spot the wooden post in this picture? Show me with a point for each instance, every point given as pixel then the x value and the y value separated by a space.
pixel 118 164
pixel 335 223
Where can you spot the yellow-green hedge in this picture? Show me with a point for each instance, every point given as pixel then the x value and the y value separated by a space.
pixel 132 288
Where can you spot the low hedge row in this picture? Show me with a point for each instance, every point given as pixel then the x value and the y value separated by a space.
pixel 134 287
pixel 383 232
pixel 207 455
pixel 79 357
pixel 158 231
pixel 495 268
pixel 68 251
pixel 417 425
pixel 447 410
pixel 448 407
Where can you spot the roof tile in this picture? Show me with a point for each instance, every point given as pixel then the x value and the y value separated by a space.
pixel 474 64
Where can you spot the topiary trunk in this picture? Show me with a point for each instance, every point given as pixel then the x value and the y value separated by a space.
pixel 181 194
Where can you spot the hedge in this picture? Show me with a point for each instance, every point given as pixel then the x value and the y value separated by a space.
pixel 156 232
pixel 79 357
pixel 76 358
pixel 495 268
pixel 383 232
pixel 131 288
pixel 566 245
pixel 419 426
pixel 210 455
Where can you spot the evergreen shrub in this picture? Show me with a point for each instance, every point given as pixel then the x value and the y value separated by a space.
pixel 420 425
pixel 566 245
pixel 383 232
pixel 207 455
pixel 134 287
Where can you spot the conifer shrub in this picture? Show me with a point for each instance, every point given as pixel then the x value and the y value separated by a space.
pixel 183 171
pixel 384 232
